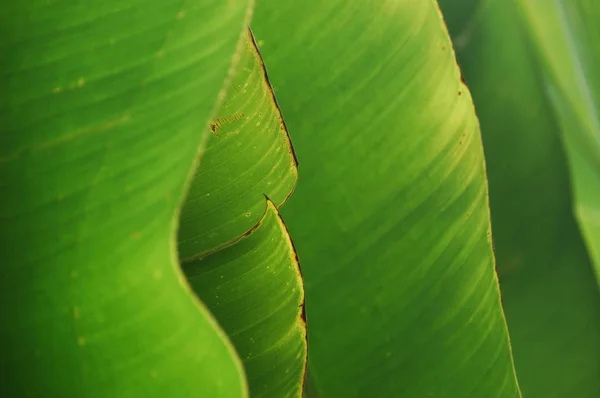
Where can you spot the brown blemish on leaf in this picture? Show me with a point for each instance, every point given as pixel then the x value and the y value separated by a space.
pixel 221 121
pixel 460 72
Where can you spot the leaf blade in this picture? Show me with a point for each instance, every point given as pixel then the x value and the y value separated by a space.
pixel 95 92
pixel 257 295
pixel 250 287
pixel 248 156
pixel 355 82
pixel 565 36
pixel 549 294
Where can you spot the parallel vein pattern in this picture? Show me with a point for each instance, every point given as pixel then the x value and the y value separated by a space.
pixel 237 257
pixel 390 217
pixel 248 155
pixel 254 288
pixel 550 297
pixel 101 114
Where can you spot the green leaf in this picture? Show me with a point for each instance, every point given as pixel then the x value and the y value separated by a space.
pixel 549 294
pixel 254 289
pixel 390 216
pixel 567 37
pixel 102 112
pixel 239 259
pixel 249 155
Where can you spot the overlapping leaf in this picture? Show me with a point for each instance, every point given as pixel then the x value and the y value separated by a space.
pixel 549 294
pixel 248 156
pixel 102 110
pixel 390 216
pixel 566 34
pixel 254 289
pixel 237 257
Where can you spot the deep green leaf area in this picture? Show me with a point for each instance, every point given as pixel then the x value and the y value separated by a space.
pixel 566 35
pixel 550 298
pixel 102 110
